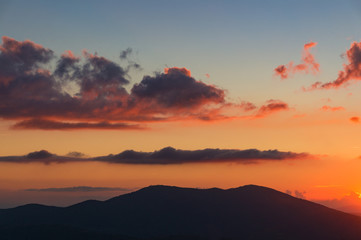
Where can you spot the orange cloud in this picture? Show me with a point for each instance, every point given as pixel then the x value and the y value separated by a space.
pixel 176 69
pixel 272 106
pixel 355 119
pixel 332 109
pixel 351 70
pixel 307 65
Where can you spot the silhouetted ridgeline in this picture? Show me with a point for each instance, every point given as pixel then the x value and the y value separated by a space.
pixel 163 212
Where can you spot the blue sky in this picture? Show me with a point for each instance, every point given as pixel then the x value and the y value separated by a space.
pixel 237 42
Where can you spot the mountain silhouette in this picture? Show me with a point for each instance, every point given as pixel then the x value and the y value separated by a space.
pixel 165 212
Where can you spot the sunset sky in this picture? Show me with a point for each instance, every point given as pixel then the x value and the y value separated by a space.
pixel 189 86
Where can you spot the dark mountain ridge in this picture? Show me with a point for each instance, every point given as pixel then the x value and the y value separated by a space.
pixel 165 212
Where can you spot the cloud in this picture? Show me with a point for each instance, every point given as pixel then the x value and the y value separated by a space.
pixel 88 92
pixel 125 54
pixel 272 106
pixel 19 58
pixel 175 88
pixel 355 119
pixel 56 125
pixel 39 155
pixel 351 70
pixel 332 109
pixel 166 156
pixel 307 65
pixel 76 155
pixel 297 194
pixel 77 189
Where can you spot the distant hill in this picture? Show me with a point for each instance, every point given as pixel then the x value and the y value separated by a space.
pixel 164 212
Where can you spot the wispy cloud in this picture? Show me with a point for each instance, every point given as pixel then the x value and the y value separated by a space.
pixel 272 106
pixel 307 65
pixel 297 194
pixel 332 109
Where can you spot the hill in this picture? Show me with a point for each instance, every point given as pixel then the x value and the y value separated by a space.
pixel 165 212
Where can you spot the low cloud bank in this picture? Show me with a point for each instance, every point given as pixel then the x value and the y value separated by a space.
pixel 166 156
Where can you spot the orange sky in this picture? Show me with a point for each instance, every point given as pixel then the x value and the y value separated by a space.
pixel 198 79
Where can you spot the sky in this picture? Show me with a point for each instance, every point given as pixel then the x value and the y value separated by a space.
pixel 99 98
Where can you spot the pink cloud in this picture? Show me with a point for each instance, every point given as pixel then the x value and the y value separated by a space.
pixel 307 65
pixel 351 70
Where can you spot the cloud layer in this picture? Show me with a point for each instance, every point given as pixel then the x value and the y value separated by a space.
pixel 60 125
pixel 166 156
pixel 77 189
pixel 307 65
pixel 88 92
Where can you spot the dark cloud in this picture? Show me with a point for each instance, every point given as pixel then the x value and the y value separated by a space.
pixel 56 125
pixel 176 89
pixel 171 155
pixel 125 54
pixel 351 71
pixel 88 92
pixel 66 65
pixel 97 76
pixel 39 155
pixel 101 78
pixel 77 189
pixel 20 58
